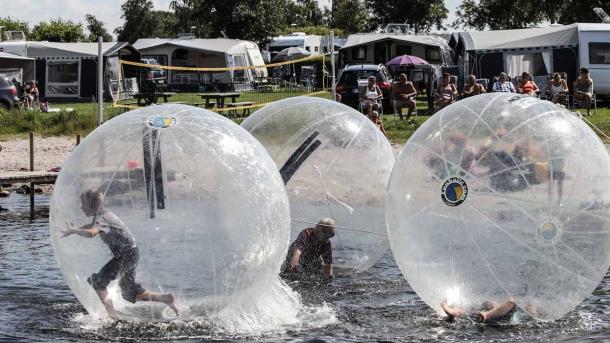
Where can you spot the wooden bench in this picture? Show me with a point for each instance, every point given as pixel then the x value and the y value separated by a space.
pixel 233 105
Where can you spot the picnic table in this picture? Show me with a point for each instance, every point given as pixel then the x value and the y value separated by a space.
pixel 152 98
pixel 220 98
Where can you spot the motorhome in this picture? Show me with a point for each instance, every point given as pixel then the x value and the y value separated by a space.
pixel 395 40
pixel 311 43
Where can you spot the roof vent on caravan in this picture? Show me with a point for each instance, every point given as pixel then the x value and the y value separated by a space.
pixel 402 29
pixel 602 15
pixel 13 36
pixel 186 35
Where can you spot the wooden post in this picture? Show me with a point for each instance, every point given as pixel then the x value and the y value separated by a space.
pixel 31 151
pixel 77 140
pixel 31 169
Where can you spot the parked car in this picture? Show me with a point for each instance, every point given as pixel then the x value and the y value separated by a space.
pixel 355 74
pixel 8 94
pixel 154 80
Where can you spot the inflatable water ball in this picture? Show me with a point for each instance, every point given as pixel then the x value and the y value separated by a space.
pixel 501 196
pixel 336 164
pixel 189 205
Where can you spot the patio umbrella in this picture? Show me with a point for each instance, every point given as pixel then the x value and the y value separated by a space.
pixel 289 54
pixel 405 60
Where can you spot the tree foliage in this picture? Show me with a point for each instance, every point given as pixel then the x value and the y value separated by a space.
pixel 96 28
pixel 256 20
pixel 516 14
pixel 14 25
pixel 142 21
pixel 422 15
pixel 350 16
pixel 581 11
pixel 58 30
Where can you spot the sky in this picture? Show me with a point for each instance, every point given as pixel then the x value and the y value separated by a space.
pixel 108 11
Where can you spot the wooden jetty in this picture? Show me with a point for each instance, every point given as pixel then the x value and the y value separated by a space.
pixel 32 177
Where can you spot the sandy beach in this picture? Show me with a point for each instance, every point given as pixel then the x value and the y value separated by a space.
pixel 49 152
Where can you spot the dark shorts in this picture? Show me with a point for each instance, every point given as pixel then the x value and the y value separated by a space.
pixel 123 268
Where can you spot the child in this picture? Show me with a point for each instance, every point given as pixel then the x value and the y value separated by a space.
pixel 122 266
pixel 375 119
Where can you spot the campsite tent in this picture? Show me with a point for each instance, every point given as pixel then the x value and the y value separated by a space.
pixel 16 67
pixel 204 53
pixel 538 51
pixel 69 70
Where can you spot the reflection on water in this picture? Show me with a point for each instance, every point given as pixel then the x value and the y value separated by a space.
pixel 36 304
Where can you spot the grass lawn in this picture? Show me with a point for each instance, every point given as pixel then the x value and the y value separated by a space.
pixel 83 117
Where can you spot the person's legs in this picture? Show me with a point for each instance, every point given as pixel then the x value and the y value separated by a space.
pixel 411 106
pixel 133 291
pixel 588 97
pixel 100 280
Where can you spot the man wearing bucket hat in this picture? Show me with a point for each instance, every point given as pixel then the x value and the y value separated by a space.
pixel 311 253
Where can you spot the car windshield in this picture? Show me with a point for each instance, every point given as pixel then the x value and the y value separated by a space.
pixel 352 76
pixel 4 82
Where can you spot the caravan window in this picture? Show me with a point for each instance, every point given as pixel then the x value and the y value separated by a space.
pixel 599 53
pixel 433 54
pixel 359 53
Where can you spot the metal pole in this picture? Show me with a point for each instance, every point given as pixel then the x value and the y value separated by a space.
pixel 332 63
pixel 100 80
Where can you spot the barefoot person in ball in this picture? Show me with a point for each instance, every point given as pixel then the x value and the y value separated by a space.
pixel 311 252
pixel 121 242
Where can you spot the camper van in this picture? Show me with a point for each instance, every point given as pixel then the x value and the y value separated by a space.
pixel 311 43
pixel 594 54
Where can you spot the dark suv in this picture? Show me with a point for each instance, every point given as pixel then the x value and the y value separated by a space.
pixel 355 74
pixel 8 94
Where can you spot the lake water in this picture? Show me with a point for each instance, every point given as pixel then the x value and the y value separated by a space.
pixel 36 305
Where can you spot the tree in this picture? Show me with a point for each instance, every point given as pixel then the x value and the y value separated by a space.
pixel 349 15
pixel 256 20
pixel 581 11
pixel 422 15
pixel 516 14
pixel 58 30
pixel 498 14
pixel 141 21
pixel 14 25
pixel 96 28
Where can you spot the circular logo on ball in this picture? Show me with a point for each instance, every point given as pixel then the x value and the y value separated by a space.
pixel 549 231
pixel 454 191
pixel 161 121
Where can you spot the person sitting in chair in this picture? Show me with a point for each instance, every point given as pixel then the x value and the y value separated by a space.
pixel 472 87
pixel 31 93
pixel 557 90
pixel 503 85
pixel 583 89
pixel 527 86
pixel 446 93
pixel 370 96
pixel 403 93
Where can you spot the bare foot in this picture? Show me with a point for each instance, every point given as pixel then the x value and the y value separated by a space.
pixel 450 311
pixel 170 300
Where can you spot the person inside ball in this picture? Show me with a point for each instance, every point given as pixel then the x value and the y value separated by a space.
pixel 121 242
pixel 311 253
